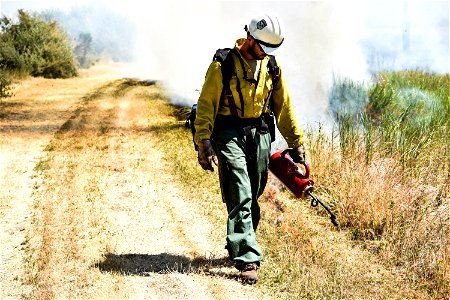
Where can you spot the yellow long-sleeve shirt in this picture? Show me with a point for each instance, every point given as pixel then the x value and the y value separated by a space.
pixel 209 104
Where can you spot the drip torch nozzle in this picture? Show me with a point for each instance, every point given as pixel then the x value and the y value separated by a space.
pixel 316 201
pixel 334 221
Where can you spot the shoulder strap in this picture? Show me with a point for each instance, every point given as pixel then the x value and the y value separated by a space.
pixel 227 66
pixel 226 62
pixel 274 70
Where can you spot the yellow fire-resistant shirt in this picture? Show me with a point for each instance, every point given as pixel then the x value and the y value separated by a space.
pixel 209 104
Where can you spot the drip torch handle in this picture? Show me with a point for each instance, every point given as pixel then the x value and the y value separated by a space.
pixel 296 170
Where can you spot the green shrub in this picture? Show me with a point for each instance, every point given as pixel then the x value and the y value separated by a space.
pixel 5 84
pixel 410 110
pixel 35 47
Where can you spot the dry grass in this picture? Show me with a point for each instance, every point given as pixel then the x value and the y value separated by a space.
pixel 401 218
pixel 28 122
pixel 122 210
pixel 69 228
pixel 310 260
pixel 305 257
pixel 108 219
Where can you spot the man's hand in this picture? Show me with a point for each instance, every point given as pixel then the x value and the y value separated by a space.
pixel 206 155
pixel 298 154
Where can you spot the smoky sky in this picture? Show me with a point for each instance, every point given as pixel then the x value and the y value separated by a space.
pixel 174 41
pixel 392 34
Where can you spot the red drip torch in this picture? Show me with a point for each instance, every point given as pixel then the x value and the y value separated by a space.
pixel 295 180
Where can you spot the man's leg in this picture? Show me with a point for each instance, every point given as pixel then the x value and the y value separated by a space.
pixel 237 193
pixel 258 172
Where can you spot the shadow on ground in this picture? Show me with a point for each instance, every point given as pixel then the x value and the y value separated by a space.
pixel 144 264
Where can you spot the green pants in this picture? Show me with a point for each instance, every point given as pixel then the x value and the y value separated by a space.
pixel 243 171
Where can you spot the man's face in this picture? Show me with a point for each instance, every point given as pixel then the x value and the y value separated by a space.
pixel 255 49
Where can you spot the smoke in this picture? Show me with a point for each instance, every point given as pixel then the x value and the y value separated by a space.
pixel 408 35
pixel 174 41
pixel 319 43
pixel 322 44
pixel 177 43
pixel 111 31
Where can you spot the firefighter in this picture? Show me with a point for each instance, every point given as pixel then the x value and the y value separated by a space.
pixel 231 132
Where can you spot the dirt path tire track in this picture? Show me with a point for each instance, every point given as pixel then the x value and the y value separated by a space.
pixel 27 123
pixel 106 221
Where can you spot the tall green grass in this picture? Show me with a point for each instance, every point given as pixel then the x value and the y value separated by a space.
pixel 386 165
pixel 411 112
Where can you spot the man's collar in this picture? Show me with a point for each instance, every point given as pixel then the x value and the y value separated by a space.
pixel 239 42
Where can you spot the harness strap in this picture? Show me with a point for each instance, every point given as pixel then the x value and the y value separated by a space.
pixel 228 70
pixel 238 83
pixel 274 70
pixel 223 122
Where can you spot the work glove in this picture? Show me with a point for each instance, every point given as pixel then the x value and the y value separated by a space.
pixel 298 154
pixel 206 155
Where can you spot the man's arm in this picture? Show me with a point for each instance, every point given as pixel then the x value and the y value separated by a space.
pixel 208 103
pixel 207 106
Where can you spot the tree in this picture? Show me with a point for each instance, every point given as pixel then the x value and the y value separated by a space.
pixel 35 47
pixel 83 50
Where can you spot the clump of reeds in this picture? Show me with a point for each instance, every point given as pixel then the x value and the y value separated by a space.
pixel 386 165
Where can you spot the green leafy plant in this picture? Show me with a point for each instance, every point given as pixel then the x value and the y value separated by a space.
pixel 35 47
pixel 5 84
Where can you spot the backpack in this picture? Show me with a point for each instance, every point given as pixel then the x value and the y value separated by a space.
pixel 227 66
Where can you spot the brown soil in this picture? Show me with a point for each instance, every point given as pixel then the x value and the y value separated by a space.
pixel 88 208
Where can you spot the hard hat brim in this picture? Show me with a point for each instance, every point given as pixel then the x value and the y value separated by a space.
pixel 269 50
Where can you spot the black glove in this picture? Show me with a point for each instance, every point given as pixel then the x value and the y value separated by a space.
pixel 298 154
pixel 206 155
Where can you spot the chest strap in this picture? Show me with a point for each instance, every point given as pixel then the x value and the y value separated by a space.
pixel 228 70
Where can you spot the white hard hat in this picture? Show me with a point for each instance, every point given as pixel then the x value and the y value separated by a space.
pixel 267 31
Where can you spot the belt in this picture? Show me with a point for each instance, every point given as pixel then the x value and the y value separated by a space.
pixel 224 122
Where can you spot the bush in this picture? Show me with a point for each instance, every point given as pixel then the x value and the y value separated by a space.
pixel 35 47
pixel 5 84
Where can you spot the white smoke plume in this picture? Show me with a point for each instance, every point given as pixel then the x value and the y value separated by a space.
pixel 175 41
pixel 320 42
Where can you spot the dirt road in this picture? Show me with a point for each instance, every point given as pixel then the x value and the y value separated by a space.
pixel 88 208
